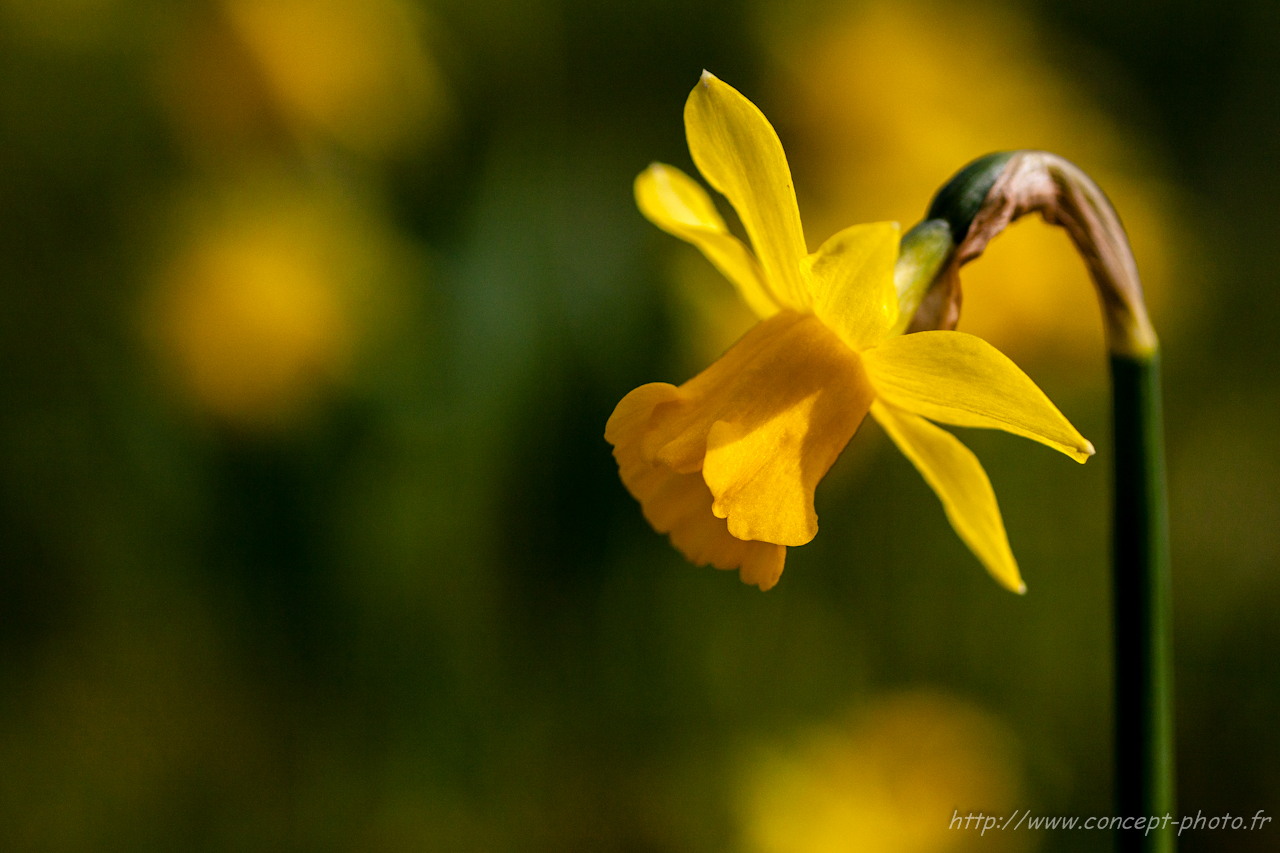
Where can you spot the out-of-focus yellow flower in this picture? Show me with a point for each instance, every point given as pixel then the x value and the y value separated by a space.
pixel 357 70
pixel 887 101
pixel 889 781
pixel 261 306
pixel 727 463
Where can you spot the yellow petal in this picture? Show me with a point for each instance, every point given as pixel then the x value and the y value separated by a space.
pixel 851 282
pixel 680 504
pixel 960 379
pixel 675 203
pixel 764 424
pixel 739 154
pixel 956 476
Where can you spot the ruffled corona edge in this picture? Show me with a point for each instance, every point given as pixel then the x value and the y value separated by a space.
pixel 680 504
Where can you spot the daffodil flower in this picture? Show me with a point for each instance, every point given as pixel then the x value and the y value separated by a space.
pixel 727 463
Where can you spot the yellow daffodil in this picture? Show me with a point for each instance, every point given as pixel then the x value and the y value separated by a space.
pixel 727 462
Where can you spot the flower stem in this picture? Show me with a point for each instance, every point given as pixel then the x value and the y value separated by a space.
pixel 1144 736
pixel 976 205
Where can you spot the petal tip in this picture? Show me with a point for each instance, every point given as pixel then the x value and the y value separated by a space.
pixel 763 568
pixel 1014 583
pixel 1084 451
pixel 1007 576
pixel 655 171
pixel 707 77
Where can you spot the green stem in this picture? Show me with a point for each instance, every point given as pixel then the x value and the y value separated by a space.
pixel 1144 738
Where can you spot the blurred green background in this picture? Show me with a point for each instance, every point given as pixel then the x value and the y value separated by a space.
pixel 311 316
